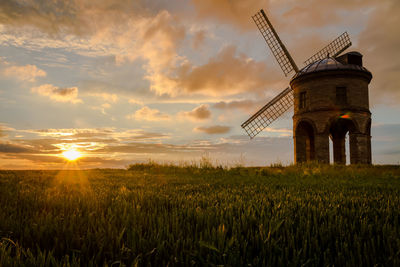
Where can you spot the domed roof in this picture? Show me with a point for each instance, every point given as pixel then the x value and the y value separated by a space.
pixel 327 64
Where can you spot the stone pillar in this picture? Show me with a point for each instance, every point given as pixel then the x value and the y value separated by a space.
pixel 300 148
pixel 354 149
pixel 322 148
pixel 362 142
pixel 310 148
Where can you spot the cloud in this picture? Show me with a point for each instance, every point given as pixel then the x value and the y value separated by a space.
pixel 283 14
pixel 107 97
pixel 58 94
pixel 154 38
pixel 234 12
pixel 127 30
pixel 217 129
pixel 201 112
pixel 11 148
pixel 106 134
pixel 148 114
pixel 279 132
pixel 380 44
pixel 228 73
pixel 55 17
pixel 24 73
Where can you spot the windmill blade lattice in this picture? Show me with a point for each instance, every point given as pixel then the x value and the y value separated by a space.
pixel 269 113
pixel 279 51
pixel 334 49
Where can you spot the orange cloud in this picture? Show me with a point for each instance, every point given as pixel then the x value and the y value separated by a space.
pixel 55 17
pixel 58 94
pixel 227 73
pixel 236 12
pixel 217 129
pixel 148 114
pixel 283 14
pixel 24 73
pixel 199 113
pixel 380 43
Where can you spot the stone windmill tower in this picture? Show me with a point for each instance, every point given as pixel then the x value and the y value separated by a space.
pixel 330 98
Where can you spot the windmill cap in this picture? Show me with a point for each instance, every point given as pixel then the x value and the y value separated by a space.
pixel 344 62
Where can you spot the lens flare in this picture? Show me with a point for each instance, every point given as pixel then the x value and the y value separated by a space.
pixel 345 116
pixel 72 154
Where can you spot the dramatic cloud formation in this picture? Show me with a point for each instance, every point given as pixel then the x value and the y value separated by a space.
pixel 228 73
pixel 217 129
pixel 58 94
pixel 123 29
pixel 148 114
pixel 201 112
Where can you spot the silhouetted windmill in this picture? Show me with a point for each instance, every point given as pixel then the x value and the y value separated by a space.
pixel 323 93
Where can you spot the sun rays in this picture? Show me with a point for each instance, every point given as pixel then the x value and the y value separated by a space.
pixel 72 154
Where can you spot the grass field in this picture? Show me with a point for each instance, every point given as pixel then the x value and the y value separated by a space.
pixel 154 215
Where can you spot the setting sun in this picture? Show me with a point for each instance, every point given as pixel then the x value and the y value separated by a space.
pixel 72 154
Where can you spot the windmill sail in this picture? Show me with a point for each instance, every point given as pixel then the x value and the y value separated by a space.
pixel 269 113
pixel 279 51
pixel 334 49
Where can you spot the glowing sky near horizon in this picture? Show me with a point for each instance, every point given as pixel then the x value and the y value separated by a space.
pixel 126 81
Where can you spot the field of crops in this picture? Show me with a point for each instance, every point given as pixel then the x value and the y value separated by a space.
pixel 155 215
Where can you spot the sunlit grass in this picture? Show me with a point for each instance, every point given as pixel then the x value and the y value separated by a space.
pixel 202 215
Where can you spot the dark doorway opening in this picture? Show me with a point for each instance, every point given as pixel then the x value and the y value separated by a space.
pixel 305 142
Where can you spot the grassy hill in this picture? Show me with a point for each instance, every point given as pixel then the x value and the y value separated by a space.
pixel 153 215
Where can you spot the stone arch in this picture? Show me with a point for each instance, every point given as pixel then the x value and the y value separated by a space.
pixel 304 142
pixel 338 129
pixel 309 121
pixel 332 120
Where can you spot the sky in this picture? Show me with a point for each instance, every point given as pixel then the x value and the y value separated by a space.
pixel 128 81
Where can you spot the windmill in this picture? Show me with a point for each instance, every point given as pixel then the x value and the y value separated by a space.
pixel 327 59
